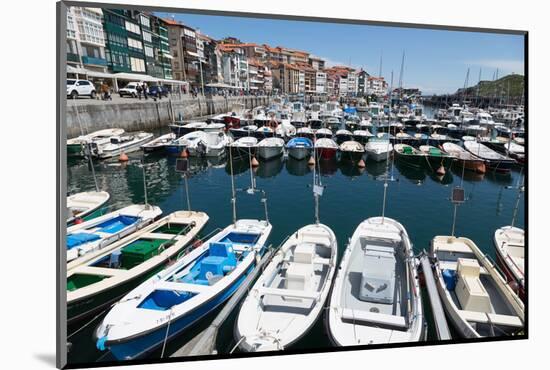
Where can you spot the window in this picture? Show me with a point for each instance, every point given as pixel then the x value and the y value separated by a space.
pixel 132 27
pixel 145 21
pixel 147 36
pixel 135 44
pixel 137 65
pixel 149 51
pixel 83 83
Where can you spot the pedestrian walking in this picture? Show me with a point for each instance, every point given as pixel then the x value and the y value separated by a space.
pixel 145 90
pixel 138 90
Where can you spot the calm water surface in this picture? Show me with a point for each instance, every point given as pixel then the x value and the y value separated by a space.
pixel 417 199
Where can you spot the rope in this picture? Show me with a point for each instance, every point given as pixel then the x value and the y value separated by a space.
pixel 166 336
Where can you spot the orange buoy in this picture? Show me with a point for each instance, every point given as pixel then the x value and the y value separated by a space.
pixel 78 221
pixel 440 170
pixel 123 157
pixel 254 162
pixel 311 161
pixel 184 153
pixel 361 163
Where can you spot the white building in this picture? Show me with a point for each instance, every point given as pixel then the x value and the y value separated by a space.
pixel 343 86
pixel 85 38
pixel 376 86
pixel 352 83
pixel 320 82
pixel 301 82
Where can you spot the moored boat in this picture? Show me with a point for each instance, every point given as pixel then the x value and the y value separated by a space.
pixel 126 143
pixel 102 231
pixel 288 298
pixel 362 136
pixel 378 149
pixel 299 148
pixel 158 144
pixel 475 296
pixel 269 148
pixel 168 303
pixel 343 135
pixel 76 146
pixel 243 131
pixel 103 276
pixel 409 156
pixel 510 247
pixel 244 147
pixel 84 204
pixel 464 158
pixel 305 132
pixel 376 294
pixel 494 161
pixel 325 148
pixel 323 133
pixel 351 150
pixel 437 160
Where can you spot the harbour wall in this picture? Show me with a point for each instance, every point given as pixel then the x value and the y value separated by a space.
pixel 134 115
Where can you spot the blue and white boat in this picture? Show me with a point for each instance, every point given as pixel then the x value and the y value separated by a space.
pixel 299 148
pixel 171 301
pixel 102 231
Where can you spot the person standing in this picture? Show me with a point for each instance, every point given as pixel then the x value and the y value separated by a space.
pixel 144 86
pixel 138 90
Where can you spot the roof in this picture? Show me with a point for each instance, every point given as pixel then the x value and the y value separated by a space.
pixel 171 22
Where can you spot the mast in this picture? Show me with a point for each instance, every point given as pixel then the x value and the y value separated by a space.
pixel 401 77
pixel 521 189
pixel 316 188
pixel 233 195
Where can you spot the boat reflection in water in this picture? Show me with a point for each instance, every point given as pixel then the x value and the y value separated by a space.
pixel 351 169
pixel 376 169
pixel 415 175
pixel 239 166
pixel 298 168
pixel 445 179
pixel 328 167
pixel 469 176
pixel 499 178
pixel 271 168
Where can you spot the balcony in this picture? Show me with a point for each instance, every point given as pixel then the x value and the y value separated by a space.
pixel 71 57
pixel 94 61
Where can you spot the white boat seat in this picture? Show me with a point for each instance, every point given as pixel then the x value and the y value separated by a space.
pixel 486 318
pixel 183 287
pixel 304 253
pixel 100 271
pixel 321 261
pixel 152 235
pixel 298 276
pixel 289 293
pixel 374 318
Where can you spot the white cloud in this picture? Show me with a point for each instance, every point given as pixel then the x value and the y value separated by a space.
pixel 504 65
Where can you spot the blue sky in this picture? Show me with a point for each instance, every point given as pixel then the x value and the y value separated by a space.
pixel 435 61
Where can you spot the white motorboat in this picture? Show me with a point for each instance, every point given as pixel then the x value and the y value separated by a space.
pixel 214 127
pixel 376 295
pixel 343 135
pixel 84 204
pixel 362 136
pixel 75 146
pixel 494 161
pixel 102 231
pixel 289 296
pixel 351 150
pixel 305 132
pixel 159 143
pixel 285 130
pixel 271 147
pixel 325 148
pixel 299 148
pixel 207 144
pixel 323 133
pixel 510 247
pixel 378 149
pixel 243 147
pixel 126 143
pixel 477 299
pixel 171 301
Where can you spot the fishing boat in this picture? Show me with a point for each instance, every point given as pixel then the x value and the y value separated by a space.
pixel 437 160
pixel 269 148
pixel 121 144
pixel 409 156
pixel 325 148
pixel 516 151
pixel 81 205
pixel 172 300
pixel 104 276
pixel 493 160
pixel 158 144
pixel 299 148
pixel 288 297
pixel 102 231
pixel 75 146
pixel 464 158
pixel 403 138
pixel 245 147
pixel 243 131
pixel 323 133
pixel 182 128
pixel 376 295
pixel 510 247
pixel 207 144
pixel 343 135
pixel 378 149
pixel 306 132
pixel 362 136
pixel 475 296
pixel 263 132
pixel 351 151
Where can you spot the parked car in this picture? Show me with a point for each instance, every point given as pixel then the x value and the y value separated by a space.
pixel 129 90
pixel 76 88
pixel 155 89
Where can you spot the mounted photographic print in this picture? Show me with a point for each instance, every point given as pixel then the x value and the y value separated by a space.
pixel 240 184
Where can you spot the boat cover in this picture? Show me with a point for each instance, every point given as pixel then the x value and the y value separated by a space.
pixel 74 240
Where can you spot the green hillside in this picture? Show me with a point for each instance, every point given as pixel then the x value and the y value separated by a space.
pixel 510 85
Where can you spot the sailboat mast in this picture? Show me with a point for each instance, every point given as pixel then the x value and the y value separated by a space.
pixel 520 190
pixel 233 196
pixel 315 195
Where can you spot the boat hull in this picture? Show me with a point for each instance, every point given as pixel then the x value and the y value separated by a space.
pixel 411 160
pixel 269 152
pixel 299 153
pixel 519 289
pixel 477 166
pixel 326 153
pixel 139 346
pixel 241 152
pixel 75 150
pixel 351 155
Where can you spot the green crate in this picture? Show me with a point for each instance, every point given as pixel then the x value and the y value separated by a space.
pixel 140 251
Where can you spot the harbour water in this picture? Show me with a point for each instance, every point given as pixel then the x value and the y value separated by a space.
pixel 416 198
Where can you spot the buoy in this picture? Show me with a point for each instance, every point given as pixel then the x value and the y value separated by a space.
pixel 254 162
pixel 184 153
pixel 440 170
pixel 78 221
pixel 361 164
pixel 123 157
pixel 311 161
